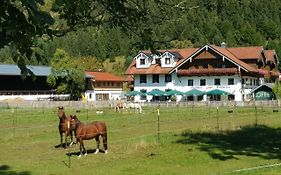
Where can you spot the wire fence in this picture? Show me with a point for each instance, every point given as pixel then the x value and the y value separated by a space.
pixel 110 104
pixel 40 119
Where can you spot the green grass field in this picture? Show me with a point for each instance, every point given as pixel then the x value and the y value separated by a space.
pixel 197 140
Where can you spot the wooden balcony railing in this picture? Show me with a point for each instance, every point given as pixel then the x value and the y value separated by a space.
pixel 267 73
pixel 207 71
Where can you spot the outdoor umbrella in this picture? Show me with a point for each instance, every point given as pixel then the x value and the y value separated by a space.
pixel 194 92
pixel 217 92
pixel 134 93
pixel 156 92
pixel 174 92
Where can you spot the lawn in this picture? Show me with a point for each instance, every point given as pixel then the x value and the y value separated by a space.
pixel 197 140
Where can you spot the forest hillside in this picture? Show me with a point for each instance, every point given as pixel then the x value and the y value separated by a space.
pixel 198 22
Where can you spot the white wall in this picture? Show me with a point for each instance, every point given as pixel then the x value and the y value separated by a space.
pixel 181 84
pixel 113 95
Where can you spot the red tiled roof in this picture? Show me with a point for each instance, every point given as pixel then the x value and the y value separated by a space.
pixel 228 54
pixel 129 78
pixel 156 69
pixel 153 69
pixel 246 52
pixel 236 55
pixel 104 76
pixel 269 55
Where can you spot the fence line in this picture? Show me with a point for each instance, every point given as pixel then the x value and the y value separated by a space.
pixel 153 131
pixel 110 104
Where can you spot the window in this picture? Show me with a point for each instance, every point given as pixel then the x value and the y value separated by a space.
pixel 158 61
pixel 217 81
pixel 90 96
pixel 202 82
pixel 167 60
pixel 168 78
pixel 143 97
pixel 190 82
pixel 142 61
pixel 155 78
pixel 230 81
pixel 231 97
pixel 142 78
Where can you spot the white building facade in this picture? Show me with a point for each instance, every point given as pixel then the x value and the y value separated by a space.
pixel 103 86
pixel 234 70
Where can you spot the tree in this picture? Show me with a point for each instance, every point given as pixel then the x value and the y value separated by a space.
pixel 22 22
pixel 88 63
pixel 65 75
pixel 277 89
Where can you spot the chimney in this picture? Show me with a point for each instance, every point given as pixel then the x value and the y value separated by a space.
pixel 223 44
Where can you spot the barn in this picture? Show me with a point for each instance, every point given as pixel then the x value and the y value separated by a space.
pixel 14 87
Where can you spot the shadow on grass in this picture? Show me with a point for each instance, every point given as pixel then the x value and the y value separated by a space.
pixel 5 170
pixel 63 145
pixel 90 151
pixel 261 141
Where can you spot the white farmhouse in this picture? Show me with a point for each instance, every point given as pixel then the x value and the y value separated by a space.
pixel 103 86
pixel 237 71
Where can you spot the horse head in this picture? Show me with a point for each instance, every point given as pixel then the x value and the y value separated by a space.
pixel 61 113
pixel 73 122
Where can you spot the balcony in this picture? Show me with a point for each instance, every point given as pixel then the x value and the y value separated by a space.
pixel 207 71
pixel 267 73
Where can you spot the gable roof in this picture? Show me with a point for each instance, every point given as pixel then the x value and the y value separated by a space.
pixel 236 55
pixel 268 86
pixel 224 52
pixel 155 68
pixel 269 55
pixel 254 52
pixel 104 76
pixel 235 59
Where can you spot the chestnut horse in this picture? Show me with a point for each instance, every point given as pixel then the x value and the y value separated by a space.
pixel 64 126
pixel 89 131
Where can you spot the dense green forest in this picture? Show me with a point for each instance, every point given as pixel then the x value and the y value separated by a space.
pixel 172 24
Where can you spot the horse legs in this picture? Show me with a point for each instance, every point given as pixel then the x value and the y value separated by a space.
pixel 82 148
pixel 98 144
pixel 61 139
pixel 104 141
pixel 81 142
pixel 66 135
pixel 71 138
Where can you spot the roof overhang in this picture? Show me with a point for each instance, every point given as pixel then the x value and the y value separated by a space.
pixel 206 47
pixel 255 89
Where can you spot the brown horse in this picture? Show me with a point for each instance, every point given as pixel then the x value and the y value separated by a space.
pixel 64 127
pixel 89 131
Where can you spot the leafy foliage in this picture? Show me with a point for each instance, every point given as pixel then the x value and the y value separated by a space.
pixel 66 76
pixel 22 22
pixel 277 89
pixel 106 29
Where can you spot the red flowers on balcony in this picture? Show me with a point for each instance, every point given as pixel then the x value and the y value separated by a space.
pixel 207 71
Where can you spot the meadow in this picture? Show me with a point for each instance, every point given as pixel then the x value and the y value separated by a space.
pixel 181 140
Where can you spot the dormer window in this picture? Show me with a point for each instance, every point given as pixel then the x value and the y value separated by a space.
pixel 142 61
pixel 158 61
pixel 167 60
